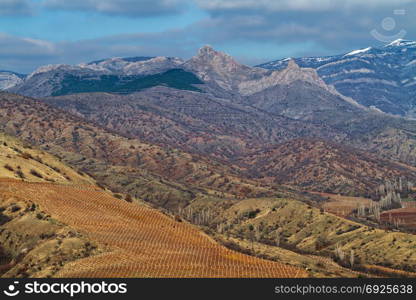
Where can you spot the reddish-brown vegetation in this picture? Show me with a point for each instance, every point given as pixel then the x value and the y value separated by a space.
pixel 405 217
pixel 343 206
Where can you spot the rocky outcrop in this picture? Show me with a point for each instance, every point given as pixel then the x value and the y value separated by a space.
pixel 214 66
pixel 286 76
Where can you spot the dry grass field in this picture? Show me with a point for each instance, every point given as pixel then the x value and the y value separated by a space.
pixel 308 230
pixel 24 162
pixel 139 241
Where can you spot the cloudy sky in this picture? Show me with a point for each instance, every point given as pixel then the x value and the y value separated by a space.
pixel 38 32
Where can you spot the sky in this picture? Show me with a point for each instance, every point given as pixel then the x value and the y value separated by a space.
pixel 39 32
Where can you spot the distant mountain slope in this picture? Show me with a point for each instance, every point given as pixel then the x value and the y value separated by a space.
pixel 48 80
pixel 303 101
pixel 323 166
pixel 197 122
pixel 226 128
pixel 175 78
pixel 134 65
pixel 383 78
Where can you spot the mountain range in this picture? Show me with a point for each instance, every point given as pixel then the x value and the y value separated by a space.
pixel 382 78
pixel 227 146
pixel 377 78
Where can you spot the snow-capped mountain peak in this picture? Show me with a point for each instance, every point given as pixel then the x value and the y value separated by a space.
pixel 401 43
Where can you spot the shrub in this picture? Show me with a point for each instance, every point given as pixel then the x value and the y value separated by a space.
pixel 8 167
pixel 26 155
pixel 35 173
pixel 101 186
pixel 38 159
pixel 129 198
pixel 252 214
pixel 56 169
pixel 20 174
pixel 15 208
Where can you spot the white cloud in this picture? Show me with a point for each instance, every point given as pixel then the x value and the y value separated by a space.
pixel 26 54
pixel 295 5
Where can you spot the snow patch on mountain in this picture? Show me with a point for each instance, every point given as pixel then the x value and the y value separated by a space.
pixel 401 43
pixel 355 52
pixel 47 68
pixel 8 80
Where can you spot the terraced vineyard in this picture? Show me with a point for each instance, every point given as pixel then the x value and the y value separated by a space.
pixel 405 217
pixel 139 241
pixel 343 206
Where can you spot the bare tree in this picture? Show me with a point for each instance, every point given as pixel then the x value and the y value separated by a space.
pixel 257 233
pixel 277 237
pixel 352 258
pixel 360 210
pixel 339 253
pixel 220 228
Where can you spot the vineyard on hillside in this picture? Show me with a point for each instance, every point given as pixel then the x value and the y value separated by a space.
pixel 140 241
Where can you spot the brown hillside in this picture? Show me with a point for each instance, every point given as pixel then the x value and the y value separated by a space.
pixel 323 166
pixel 161 175
pixel 195 122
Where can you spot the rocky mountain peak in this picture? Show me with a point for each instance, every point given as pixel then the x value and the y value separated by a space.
pixel 215 66
pixel 207 50
pixel 209 55
pixel 292 65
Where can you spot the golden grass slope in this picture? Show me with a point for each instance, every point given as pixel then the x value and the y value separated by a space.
pixel 22 161
pixel 305 229
pixel 142 242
